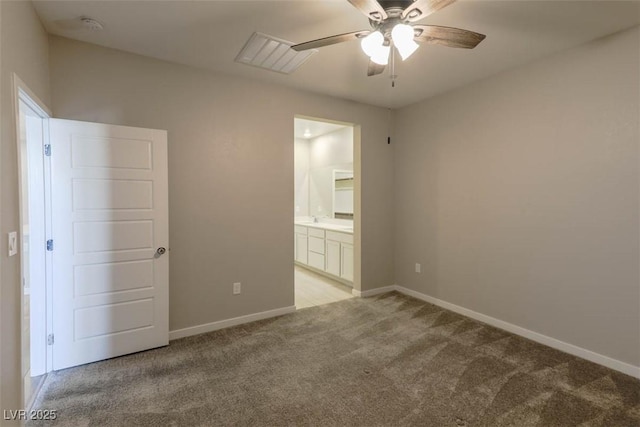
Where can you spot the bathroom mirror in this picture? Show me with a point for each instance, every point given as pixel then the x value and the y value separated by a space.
pixel 342 194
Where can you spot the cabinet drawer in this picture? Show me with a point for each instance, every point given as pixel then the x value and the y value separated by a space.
pixel 300 229
pixel 340 237
pixel 316 260
pixel 316 245
pixel 316 232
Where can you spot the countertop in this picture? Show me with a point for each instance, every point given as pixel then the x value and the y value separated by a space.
pixel 326 226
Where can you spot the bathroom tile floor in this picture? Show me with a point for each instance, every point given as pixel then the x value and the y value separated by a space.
pixel 313 289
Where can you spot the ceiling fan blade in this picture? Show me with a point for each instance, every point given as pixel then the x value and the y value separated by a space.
pixel 339 38
pixel 447 36
pixel 370 8
pixel 420 9
pixel 374 68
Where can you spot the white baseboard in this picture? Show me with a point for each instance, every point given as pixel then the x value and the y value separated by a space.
pixel 36 392
pixel 372 292
pixel 221 324
pixel 583 353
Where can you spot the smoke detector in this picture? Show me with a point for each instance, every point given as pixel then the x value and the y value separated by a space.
pixel 91 24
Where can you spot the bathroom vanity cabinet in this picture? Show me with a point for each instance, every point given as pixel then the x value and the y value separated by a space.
pixel 325 250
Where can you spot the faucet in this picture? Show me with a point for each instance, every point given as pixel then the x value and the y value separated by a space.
pixel 314 219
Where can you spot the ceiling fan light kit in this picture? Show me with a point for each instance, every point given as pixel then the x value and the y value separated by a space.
pixel 402 36
pixel 377 47
pixel 393 27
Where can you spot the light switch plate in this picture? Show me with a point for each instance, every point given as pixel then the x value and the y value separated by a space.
pixel 13 243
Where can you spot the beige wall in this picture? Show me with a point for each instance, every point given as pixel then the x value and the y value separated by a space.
pixel 519 196
pixel 231 172
pixel 24 52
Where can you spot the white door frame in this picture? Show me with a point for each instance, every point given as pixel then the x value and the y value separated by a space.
pixel 22 93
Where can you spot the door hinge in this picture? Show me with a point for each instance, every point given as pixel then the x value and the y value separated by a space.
pixel 50 339
pixel 50 244
pixel 47 150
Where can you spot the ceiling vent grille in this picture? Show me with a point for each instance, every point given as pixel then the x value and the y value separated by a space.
pixel 273 54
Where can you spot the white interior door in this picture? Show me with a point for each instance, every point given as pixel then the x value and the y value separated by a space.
pixel 110 217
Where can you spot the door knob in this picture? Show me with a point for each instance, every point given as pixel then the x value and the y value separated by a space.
pixel 161 250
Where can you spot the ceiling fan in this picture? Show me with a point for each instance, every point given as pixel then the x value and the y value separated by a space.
pixel 393 28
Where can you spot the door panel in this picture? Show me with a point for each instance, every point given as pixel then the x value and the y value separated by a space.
pixel 107 236
pixel 110 277
pixel 87 194
pixel 95 151
pixel 110 214
pixel 111 318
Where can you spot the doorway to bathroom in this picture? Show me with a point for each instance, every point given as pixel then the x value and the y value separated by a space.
pixel 324 211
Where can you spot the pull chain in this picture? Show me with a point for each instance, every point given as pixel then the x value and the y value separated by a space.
pixel 393 67
pixel 389 126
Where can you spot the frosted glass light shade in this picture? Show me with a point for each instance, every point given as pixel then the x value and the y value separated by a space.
pixel 373 46
pixel 402 36
pixel 381 57
pixel 372 43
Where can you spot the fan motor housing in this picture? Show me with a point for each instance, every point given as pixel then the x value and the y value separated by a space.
pixel 400 4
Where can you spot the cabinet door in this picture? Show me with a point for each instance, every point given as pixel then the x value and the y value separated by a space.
pixel 346 261
pixel 301 248
pixel 333 258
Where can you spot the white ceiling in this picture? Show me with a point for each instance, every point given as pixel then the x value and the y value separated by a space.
pixel 313 128
pixel 209 35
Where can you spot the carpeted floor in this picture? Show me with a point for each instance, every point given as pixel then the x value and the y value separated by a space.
pixel 385 361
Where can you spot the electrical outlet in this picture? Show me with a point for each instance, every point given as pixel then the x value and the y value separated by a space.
pixel 418 268
pixel 236 288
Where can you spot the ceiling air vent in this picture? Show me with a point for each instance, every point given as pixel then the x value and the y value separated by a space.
pixel 273 54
